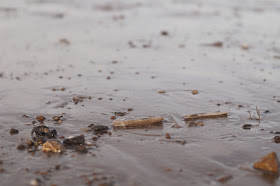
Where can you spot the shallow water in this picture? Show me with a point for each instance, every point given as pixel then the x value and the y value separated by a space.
pixel 33 61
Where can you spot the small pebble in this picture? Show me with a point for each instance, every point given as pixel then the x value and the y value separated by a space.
pixel 13 131
pixel 167 135
pixel 35 182
pixel 194 92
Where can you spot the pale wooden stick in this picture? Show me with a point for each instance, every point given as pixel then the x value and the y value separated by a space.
pixel 205 115
pixel 176 125
pixel 138 122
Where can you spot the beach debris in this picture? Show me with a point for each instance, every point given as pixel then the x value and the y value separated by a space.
pixel 276 139
pixel 100 128
pixel 182 142
pixel 215 44
pixel 13 131
pixel 78 140
pixel 195 124
pixel 43 133
pixel 25 116
pixel 21 147
pixel 167 135
pixel 131 44
pixel 64 41
pixel 52 146
pixel 247 126
pixel 138 122
pixel 41 119
pixel 194 92
pixel 164 33
pixel 57 119
pixel 205 115
pixel 258 112
pixel 35 182
pixel 176 125
pixel 120 113
pixel 250 114
pixel 86 129
pixel 161 91
pixel 90 125
pixel 268 164
pixel 266 111
pixel 81 149
pixel 245 47
pixel 224 179
pixel 78 99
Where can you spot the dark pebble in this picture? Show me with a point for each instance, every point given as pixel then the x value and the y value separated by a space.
pixel 247 127
pixel 120 113
pixel 98 128
pixel 277 139
pixel 13 131
pixel 164 33
pixel 21 147
pixel 81 149
pixel 78 140
pixel 90 125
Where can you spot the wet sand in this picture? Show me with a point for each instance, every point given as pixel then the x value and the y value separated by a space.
pixel 125 52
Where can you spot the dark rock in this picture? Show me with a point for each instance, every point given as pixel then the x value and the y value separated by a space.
pixel 99 128
pixel 276 139
pixel 164 33
pixel 78 140
pixel 21 147
pixel 90 125
pixel 42 133
pixel 81 149
pixel 247 126
pixel 13 131
pixel 51 134
pixel 120 113
pixel 40 130
pixel 25 116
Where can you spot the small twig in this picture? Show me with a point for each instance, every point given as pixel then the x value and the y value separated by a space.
pixel 206 115
pixel 154 135
pixel 176 125
pixel 183 142
pixel 259 113
pixel 138 122
pixel 250 114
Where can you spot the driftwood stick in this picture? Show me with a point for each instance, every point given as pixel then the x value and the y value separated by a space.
pixel 176 125
pixel 138 122
pixel 205 115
